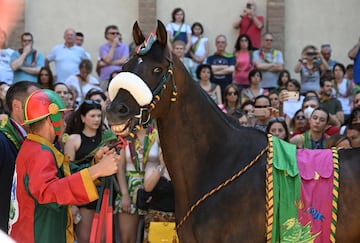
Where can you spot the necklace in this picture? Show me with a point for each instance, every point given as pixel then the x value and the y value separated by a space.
pixel 139 153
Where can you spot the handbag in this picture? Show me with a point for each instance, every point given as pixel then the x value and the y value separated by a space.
pixel 162 232
pixel 143 199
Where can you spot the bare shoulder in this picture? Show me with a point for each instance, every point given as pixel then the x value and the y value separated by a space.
pixel 297 140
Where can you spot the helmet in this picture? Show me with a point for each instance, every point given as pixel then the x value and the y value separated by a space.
pixel 43 103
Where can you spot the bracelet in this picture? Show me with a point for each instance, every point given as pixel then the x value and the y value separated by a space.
pixel 160 169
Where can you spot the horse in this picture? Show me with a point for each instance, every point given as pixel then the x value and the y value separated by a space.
pixel 203 148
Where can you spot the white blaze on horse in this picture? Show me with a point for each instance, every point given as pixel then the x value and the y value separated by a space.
pixel 222 173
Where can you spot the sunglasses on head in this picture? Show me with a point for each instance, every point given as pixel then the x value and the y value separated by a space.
pixel 277 119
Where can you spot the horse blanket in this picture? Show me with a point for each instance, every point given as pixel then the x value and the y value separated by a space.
pixel 301 193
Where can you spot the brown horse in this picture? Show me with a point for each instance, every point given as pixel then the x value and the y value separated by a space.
pixel 203 147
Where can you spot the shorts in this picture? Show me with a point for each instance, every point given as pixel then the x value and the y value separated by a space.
pixel 134 182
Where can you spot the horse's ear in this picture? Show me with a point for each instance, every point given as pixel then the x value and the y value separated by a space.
pixel 137 34
pixel 161 33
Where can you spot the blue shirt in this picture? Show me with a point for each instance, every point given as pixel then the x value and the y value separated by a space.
pixel 66 60
pixel 357 68
pixel 20 75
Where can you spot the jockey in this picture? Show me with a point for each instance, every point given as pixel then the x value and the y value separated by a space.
pixel 43 188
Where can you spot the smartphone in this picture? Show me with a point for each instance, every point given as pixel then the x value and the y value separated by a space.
pixel 261 112
pixel 293 95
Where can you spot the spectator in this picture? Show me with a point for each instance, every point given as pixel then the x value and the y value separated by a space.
pixel 354 54
pixel 284 77
pixel 290 104
pixel 79 41
pixel 179 51
pixel 262 120
pixel 244 63
pixel 338 141
pixel 67 56
pixel 113 55
pixel 231 98
pixel 269 61
pixel 205 75
pixel 344 88
pixel 6 73
pixel 199 45
pixel 278 127
pixel 27 61
pixel 62 90
pixel 46 78
pixel 298 123
pixel 356 102
pixel 274 99
pixel 130 179
pixel 100 97
pixel 4 87
pixel 310 66
pixel 251 24
pixel 12 135
pixel 41 201
pixel 331 104
pixel 255 78
pixel 241 116
pixel 248 107
pixel 83 81
pixel 325 51
pixel 349 72
pixel 222 63
pixel 353 133
pixel 315 137
pixel 178 29
pixel 162 203
pixel 86 138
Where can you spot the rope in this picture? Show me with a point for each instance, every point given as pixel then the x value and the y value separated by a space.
pixel 218 188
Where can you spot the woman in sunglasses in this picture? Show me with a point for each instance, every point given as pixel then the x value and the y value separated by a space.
pixel 86 138
pixel 298 123
pixel 231 98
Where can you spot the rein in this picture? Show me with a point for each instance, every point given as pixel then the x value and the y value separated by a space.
pixel 222 185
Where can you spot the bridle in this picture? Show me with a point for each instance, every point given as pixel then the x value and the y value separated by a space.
pixel 144 116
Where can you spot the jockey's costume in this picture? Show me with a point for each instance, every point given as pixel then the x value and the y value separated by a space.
pixel 42 188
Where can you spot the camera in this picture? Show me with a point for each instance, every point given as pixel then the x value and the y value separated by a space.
pixel 248 5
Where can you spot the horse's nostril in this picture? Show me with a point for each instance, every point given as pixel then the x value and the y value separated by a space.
pixel 123 109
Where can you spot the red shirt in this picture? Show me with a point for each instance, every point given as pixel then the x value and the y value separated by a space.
pixel 247 26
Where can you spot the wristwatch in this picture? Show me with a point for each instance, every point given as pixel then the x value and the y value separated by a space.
pixel 160 169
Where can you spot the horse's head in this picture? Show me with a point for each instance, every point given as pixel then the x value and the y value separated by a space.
pixel 135 91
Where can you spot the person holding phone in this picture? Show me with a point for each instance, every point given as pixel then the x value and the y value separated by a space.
pixel 310 66
pixel 251 24
pixel 27 61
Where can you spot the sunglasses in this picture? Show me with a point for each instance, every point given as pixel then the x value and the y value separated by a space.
pixel 300 117
pixel 262 106
pixel 92 102
pixel 232 93
pixel 114 33
pixel 277 119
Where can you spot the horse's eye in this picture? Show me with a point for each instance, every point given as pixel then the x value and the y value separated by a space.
pixel 157 70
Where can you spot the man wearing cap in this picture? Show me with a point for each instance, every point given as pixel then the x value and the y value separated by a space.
pixel 12 135
pixel 43 188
